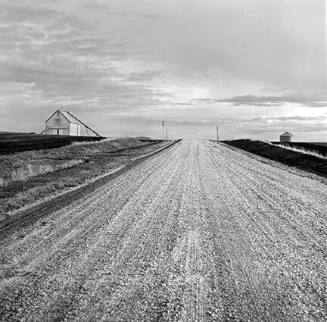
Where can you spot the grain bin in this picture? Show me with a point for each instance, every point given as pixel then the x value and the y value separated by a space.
pixel 286 137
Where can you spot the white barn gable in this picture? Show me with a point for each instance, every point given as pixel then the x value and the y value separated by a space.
pixel 63 122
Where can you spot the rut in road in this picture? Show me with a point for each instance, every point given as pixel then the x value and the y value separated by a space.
pixel 198 232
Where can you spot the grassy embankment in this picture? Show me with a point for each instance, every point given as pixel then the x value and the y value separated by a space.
pixel 12 142
pixel 316 149
pixel 300 160
pixel 31 176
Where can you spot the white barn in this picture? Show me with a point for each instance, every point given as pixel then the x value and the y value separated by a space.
pixel 62 122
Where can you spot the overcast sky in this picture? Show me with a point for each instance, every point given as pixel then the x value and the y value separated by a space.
pixel 257 67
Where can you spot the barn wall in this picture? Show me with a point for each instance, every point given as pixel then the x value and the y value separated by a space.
pixel 84 132
pixel 75 129
pixel 57 122
pixel 50 131
pixel 57 131
pixel 64 132
pixel 285 139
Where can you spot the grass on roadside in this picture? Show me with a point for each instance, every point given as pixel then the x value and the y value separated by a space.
pixel 18 194
pixel 302 150
pixel 22 165
pixel 318 149
pixel 21 193
pixel 292 158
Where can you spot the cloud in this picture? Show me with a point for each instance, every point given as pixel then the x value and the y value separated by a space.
pixel 133 13
pixel 298 118
pixel 161 60
pixel 22 12
pixel 318 100
pixel 63 63
pixel 318 128
pixel 115 10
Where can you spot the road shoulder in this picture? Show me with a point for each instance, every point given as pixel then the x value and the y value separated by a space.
pixel 31 213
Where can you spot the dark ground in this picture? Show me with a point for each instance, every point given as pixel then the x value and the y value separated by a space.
pixel 12 142
pixel 298 160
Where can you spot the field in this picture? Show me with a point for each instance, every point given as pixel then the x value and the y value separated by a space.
pixel 295 159
pixel 198 232
pixel 29 176
pixel 318 148
pixel 11 142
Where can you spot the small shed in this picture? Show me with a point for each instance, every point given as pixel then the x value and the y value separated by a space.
pixel 286 137
pixel 63 122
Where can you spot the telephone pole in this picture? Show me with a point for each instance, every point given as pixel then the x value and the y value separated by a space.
pixel 163 129
pixel 217 129
pixel 166 133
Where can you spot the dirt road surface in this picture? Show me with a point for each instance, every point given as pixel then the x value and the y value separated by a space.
pixel 198 232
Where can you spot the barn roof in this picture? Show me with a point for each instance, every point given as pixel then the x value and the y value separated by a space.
pixel 288 134
pixel 69 117
pixel 72 119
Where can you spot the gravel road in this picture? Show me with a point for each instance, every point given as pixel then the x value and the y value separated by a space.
pixel 199 232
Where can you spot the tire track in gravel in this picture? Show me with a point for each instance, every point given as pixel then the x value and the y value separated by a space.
pixel 285 243
pixel 79 228
pixel 197 233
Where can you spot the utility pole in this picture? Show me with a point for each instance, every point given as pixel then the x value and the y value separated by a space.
pixel 163 129
pixel 166 133
pixel 217 133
